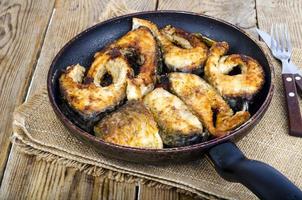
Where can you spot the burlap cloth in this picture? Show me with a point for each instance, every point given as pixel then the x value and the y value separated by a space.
pixel 37 131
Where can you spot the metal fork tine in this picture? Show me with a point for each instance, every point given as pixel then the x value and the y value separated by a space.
pixel 277 39
pixel 280 42
pixel 287 38
pixel 273 45
pixel 284 43
pixel 281 37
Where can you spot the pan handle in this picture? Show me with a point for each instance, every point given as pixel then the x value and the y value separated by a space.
pixel 262 179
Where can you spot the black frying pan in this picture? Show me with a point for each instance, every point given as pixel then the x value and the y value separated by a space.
pixel 229 161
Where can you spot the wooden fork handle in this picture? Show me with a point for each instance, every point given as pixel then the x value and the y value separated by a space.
pixel 294 114
pixel 298 80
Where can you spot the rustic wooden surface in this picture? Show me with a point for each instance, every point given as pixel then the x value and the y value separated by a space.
pixel 32 32
pixel 18 57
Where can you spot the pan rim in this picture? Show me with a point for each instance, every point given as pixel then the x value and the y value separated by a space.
pixel 69 125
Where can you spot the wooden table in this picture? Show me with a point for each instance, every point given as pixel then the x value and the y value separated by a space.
pixel 33 31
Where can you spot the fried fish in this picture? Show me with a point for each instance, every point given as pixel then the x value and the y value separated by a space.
pixel 244 84
pixel 131 125
pixel 203 100
pixel 141 49
pixel 89 98
pixel 178 126
pixel 182 51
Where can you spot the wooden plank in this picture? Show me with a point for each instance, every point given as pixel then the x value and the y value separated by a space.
pixel 15 179
pixel 72 17
pixel 27 177
pixel 22 28
pixel 282 11
pixel 146 192
pixel 238 12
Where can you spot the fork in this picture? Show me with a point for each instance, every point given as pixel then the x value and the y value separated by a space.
pixel 281 49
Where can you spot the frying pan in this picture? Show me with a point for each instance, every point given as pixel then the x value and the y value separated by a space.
pixel 228 160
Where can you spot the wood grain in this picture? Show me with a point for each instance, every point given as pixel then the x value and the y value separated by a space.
pixel 22 28
pixel 26 177
pixel 281 11
pixel 38 179
pixel 146 192
pixel 155 193
pixel 72 17
pixel 238 12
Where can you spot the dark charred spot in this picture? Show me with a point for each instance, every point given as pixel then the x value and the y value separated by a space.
pixel 215 113
pixel 129 75
pixel 163 82
pixel 114 53
pixel 177 44
pixel 182 33
pixel 87 107
pixel 134 58
pixel 72 98
pixel 88 80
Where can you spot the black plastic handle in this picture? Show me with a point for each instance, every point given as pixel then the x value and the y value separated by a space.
pixel 262 179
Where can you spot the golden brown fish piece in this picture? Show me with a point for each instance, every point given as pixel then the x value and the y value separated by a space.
pixel 243 85
pixel 89 98
pixel 178 126
pixel 131 125
pixel 140 47
pixel 206 103
pixel 182 51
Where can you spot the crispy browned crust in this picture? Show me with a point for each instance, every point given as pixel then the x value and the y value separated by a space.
pixel 182 51
pixel 175 120
pixel 89 98
pixel 131 125
pixel 203 101
pixel 244 85
pixel 141 42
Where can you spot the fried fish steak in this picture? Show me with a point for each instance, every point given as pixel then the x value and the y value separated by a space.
pixel 204 101
pixel 131 125
pixel 88 97
pixel 243 85
pixel 178 126
pixel 141 49
pixel 182 51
